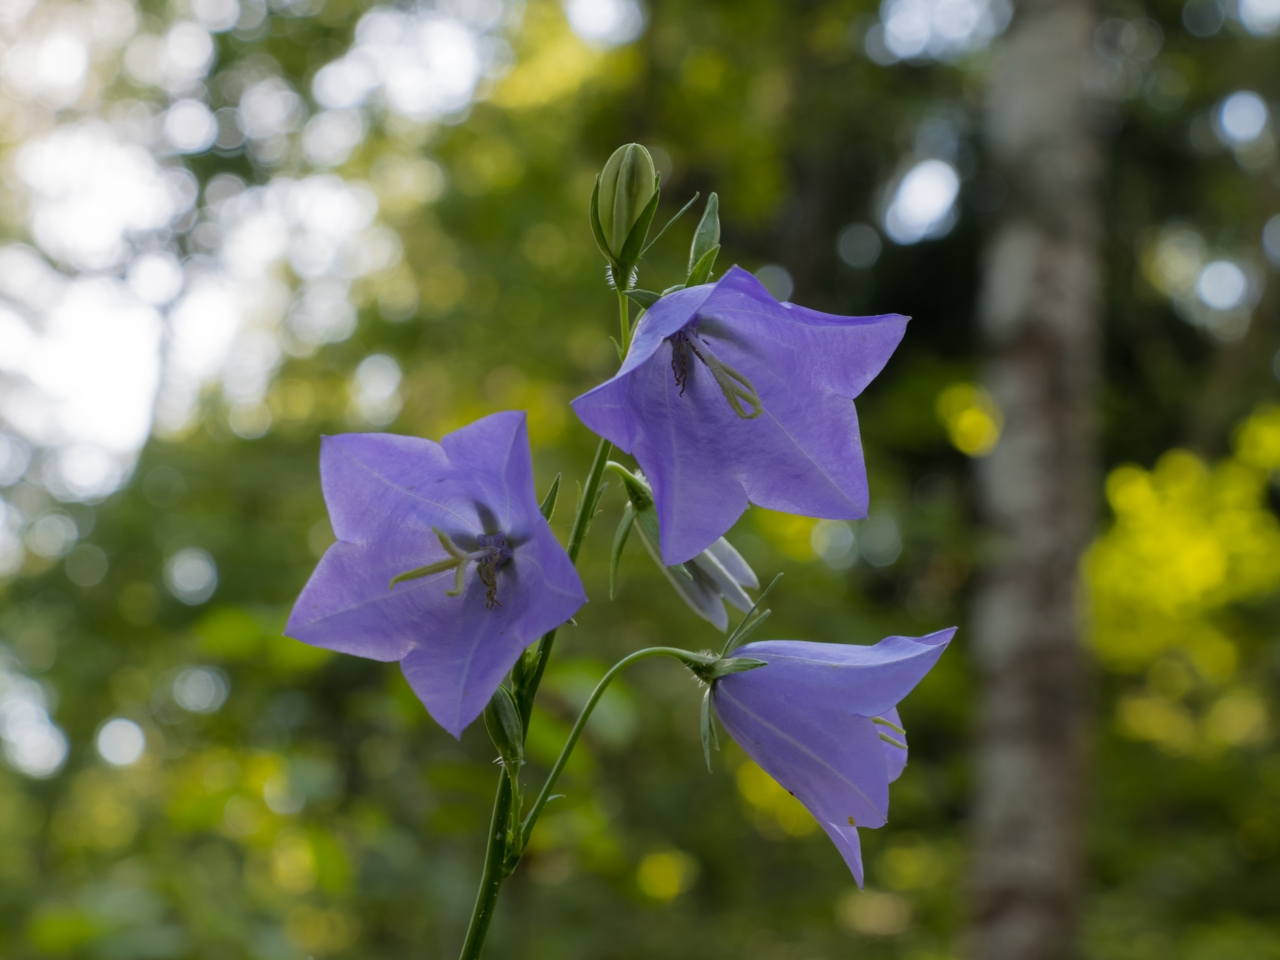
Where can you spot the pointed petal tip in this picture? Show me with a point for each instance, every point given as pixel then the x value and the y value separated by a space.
pixel 938 637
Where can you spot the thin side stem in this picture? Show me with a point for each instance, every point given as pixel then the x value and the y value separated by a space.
pixel 491 879
pixel 684 656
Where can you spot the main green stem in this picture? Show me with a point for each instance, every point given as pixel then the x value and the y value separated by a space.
pixel 497 862
pixel 491 879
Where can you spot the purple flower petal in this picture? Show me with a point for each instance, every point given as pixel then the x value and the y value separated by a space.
pixel 385 494
pixel 705 462
pixel 806 719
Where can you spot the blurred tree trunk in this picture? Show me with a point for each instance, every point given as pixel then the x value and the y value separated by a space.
pixel 1040 315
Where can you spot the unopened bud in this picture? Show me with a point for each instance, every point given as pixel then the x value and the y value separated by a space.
pixel 502 719
pixel 627 184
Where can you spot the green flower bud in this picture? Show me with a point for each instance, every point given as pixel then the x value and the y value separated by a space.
pixel 627 184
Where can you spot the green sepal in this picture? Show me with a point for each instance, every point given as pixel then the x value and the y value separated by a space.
pixel 680 213
pixel 707 236
pixel 755 616
pixel 700 273
pixel 641 498
pixel 709 668
pixel 632 249
pixel 548 506
pixel 725 666
pixel 709 736
pixel 673 288
pixel 646 298
pixel 620 541
pixel 648 518
pixel 506 730
pixel 638 491
pixel 594 216
pixel 617 346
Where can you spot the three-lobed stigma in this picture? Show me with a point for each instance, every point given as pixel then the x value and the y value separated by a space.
pixel 736 387
pixel 491 553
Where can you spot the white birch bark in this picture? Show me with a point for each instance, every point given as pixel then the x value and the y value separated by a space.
pixel 1040 314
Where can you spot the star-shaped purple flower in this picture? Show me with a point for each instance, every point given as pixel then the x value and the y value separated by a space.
pixel 478 573
pixel 727 396
pixel 822 720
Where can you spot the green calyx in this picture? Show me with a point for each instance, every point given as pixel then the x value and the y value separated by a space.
pixel 506 729
pixel 717 667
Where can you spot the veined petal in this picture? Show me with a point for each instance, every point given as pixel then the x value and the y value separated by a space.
pixel 457 671
pixel 605 409
pixel 807 717
pixel 386 494
pixel 348 605
pixel 829 758
pixel 843 354
pixel 375 480
pixel 802 454
pixel 865 680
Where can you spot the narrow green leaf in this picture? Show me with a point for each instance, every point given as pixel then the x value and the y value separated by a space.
pixel 649 529
pixel 594 506
pixel 701 271
pixel 751 620
pixel 680 214
pixel 620 541
pixel 617 346
pixel 548 507
pixel 707 235
pixel 708 728
pixel 646 298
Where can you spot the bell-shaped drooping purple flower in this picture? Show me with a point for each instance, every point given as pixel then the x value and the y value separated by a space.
pixel 443 561
pixel 822 720
pixel 727 396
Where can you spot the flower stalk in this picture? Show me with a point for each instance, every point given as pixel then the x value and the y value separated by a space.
pixel 507 833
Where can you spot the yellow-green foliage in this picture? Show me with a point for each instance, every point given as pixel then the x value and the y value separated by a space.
pixel 1191 541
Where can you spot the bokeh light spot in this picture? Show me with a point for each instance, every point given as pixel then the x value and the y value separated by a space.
pixel 121 742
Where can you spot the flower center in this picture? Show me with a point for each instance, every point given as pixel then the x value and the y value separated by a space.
pixel 490 554
pixel 734 385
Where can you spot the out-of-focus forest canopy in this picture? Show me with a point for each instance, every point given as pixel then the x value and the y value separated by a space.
pixel 229 228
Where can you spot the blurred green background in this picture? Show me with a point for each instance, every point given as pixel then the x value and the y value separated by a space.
pixel 366 241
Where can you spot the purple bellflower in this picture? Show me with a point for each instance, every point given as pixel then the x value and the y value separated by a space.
pixel 443 561
pixel 822 720
pixel 727 396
